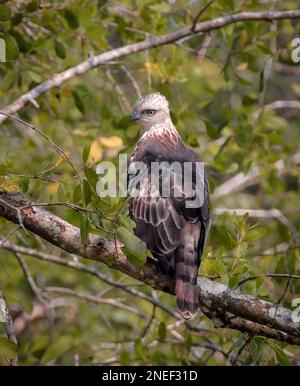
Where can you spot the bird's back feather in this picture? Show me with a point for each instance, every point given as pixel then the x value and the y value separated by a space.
pixel 173 233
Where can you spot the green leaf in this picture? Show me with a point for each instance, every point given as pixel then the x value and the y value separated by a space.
pixel 57 348
pixel 78 102
pixel 264 48
pixel 72 19
pixel 188 342
pixel 255 234
pixel 127 222
pixel 211 130
pixel 237 343
pixel 77 194
pixel 84 230
pixel 23 45
pixel 61 193
pixel 255 347
pixel 85 153
pixel 248 100
pixel 32 6
pixel 91 176
pixel 16 19
pixel 40 344
pixel 234 280
pixel 162 331
pixel 3 168
pixel 12 49
pixel 134 248
pixel 126 237
pixel 101 3
pixel 296 88
pixel 130 240
pixel 25 185
pixel 5 12
pixel 59 49
pixel 8 349
pixel 281 357
pixel 139 349
pixel 86 192
pixel 161 8
pixel 124 358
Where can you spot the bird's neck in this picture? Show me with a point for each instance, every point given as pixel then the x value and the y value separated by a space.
pixel 166 137
pixel 162 131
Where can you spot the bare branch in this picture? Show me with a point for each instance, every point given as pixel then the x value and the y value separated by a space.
pixel 133 81
pixel 90 270
pixel 54 146
pixel 262 213
pixel 200 13
pixel 288 104
pixel 93 299
pixel 286 69
pixel 39 311
pixel 241 180
pixel 259 313
pixel 203 50
pixel 273 275
pixel 124 104
pixel 34 288
pixel 108 56
pixel 8 324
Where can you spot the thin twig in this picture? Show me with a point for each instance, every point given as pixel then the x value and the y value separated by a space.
pixel 18 211
pixel 92 271
pixel 124 104
pixel 241 349
pixel 57 148
pixel 34 288
pixel 272 275
pixel 133 81
pixel 8 325
pixel 262 213
pixel 200 13
pixel 172 37
pixel 250 314
pixel 93 299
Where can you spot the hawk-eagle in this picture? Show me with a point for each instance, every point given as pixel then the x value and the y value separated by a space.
pixel 174 232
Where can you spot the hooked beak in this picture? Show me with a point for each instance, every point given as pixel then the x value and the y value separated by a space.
pixel 135 116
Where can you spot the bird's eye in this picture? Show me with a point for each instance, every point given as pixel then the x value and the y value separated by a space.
pixel 149 112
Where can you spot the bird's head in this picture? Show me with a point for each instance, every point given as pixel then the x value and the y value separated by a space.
pixel 150 110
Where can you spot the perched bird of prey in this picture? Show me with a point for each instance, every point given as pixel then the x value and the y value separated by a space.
pixel 174 232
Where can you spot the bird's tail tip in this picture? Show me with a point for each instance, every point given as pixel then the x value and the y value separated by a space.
pixel 187 299
pixel 187 315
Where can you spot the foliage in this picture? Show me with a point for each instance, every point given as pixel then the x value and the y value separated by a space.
pixel 217 105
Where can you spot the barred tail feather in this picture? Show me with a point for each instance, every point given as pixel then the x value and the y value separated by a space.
pixel 186 272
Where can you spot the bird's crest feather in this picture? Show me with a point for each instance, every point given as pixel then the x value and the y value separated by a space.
pixel 152 101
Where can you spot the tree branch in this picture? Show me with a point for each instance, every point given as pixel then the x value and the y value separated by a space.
pixel 249 313
pixel 200 13
pixel 283 104
pixel 241 180
pixel 57 79
pixel 8 325
pixel 262 213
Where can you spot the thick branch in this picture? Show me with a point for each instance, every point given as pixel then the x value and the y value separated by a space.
pixel 214 295
pixel 106 57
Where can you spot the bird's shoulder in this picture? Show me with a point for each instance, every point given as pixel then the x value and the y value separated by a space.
pixel 162 143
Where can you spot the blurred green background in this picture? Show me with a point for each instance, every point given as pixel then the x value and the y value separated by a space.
pixel 217 97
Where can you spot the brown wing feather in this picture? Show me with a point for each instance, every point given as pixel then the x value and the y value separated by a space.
pixel 173 233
